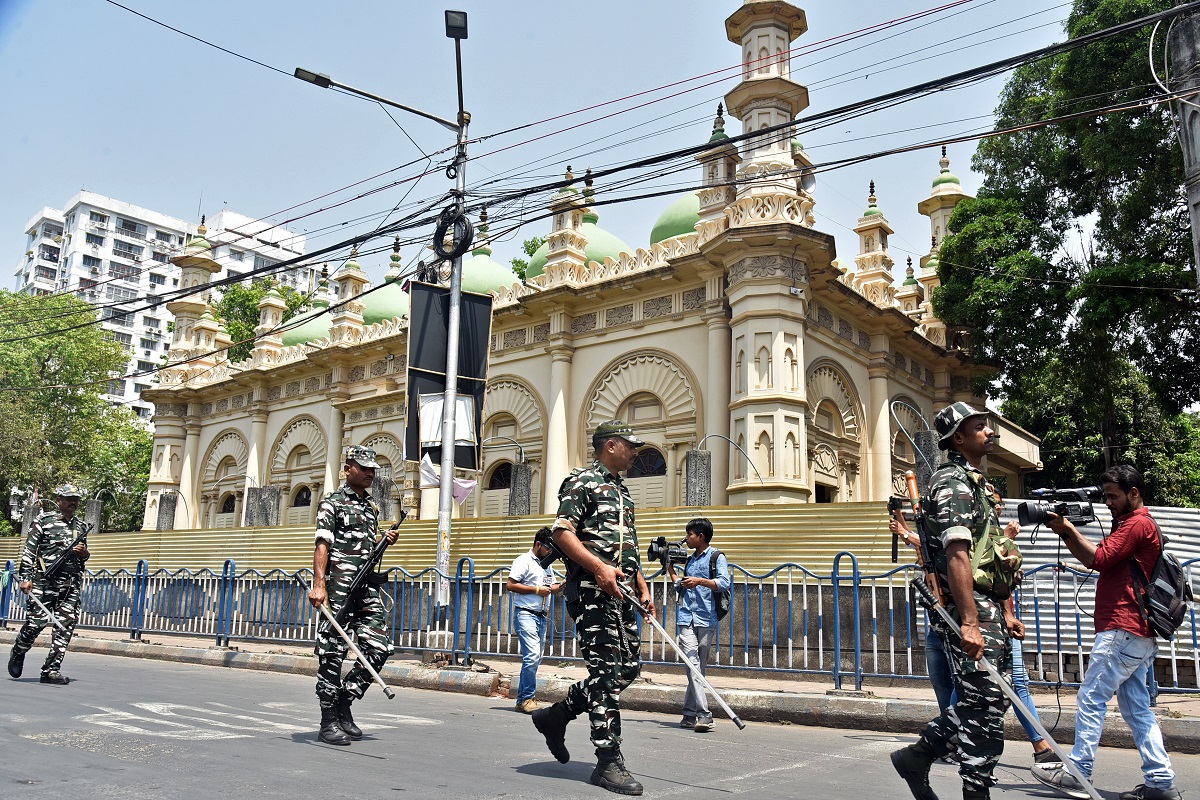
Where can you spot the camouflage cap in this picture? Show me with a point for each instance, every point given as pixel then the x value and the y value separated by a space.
pixel 363 456
pixel 949 418
pixel 607 430
pixel 68 490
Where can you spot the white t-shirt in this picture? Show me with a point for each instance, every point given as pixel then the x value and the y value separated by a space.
pixel 526 569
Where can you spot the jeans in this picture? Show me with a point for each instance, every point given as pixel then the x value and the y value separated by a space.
pixel 695 642
pixel 531 631
pixel 1119 665
pixel 938 667
pixel 1020 680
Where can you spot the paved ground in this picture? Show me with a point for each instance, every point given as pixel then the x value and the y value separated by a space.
pixel 146 728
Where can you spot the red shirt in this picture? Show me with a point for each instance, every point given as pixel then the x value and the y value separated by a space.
pixel 1133 535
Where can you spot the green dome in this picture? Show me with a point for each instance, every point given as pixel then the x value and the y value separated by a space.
pixel 873 211
pixel 946 177
pixel 482 274
pixel 600 245
pixel 678 219
pixel 309 326
pixel 384 303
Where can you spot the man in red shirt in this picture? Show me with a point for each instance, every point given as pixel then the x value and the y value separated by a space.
pixel 1125 646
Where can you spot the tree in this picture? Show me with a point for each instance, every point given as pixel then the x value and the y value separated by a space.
pixel 239 308
pixel 1070 263
pixel 55 363
pixel 530 246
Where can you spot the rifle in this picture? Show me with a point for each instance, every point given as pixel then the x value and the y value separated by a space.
pixel 366 573
pixel 52 572
pixel 923 558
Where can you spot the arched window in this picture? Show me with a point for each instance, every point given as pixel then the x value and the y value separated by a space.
pixel 648 464
pixel 901 448
pixel 828 418
pixel 642 408
pixel 229 503
pixel 501 477
pixel 302 498
pixel 764 455
pixel 762 367
pixel 739 460
pixel 740 373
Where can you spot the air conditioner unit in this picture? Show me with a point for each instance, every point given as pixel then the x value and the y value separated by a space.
pixel 94 270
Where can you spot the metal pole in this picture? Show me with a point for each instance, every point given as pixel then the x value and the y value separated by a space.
pixel 450 398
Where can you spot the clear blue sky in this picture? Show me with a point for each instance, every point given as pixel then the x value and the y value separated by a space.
pixel 98 98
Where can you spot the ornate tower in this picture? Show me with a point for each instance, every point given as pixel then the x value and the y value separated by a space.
pixel 939 206
pixel 347 321
pixel 566 241
pixel 874 277
pixel 196 268
pixel 720 168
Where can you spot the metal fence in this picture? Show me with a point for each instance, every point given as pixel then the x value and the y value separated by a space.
pixel 844 624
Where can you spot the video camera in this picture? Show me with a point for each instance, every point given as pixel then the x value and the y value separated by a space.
pixel 1072 504
pixel 667 552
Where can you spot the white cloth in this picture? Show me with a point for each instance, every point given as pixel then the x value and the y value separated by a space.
pixel 431 479
pixel 526 569
pixel 429 419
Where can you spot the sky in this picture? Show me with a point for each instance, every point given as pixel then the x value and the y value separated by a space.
pixel 98 98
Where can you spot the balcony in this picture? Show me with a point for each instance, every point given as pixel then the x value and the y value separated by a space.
pixel 129 233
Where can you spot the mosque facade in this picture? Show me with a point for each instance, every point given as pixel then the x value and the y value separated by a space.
pixel 737 330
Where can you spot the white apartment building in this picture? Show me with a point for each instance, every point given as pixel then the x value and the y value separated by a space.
pixel 117 256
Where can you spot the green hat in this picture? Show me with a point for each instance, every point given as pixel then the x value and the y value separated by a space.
pixel 950 418
pixel 607 430
pixel 68 490
pixel 363 456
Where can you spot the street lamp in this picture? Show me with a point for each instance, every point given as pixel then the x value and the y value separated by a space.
pixel 456 29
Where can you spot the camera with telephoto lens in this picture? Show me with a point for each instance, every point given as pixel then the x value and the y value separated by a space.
pixel 1072 505
pixel 667 552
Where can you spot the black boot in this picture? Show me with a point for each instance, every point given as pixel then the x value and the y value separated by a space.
pixel 552 723
pixel 16 663
pixel 610 773
pixel 331 732
pixel 56 678
pixel 345 720
pixel 913 763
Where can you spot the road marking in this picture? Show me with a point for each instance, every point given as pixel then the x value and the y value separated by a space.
pixel 169 729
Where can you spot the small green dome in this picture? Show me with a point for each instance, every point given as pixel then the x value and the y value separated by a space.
pixel 946 177
pixel 309 326
pixel 873 211
pixel 383 303
pixel 677 219
pixel 600 245
pixel 483 274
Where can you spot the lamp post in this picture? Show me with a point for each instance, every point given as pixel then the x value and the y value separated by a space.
pixel 456 29
pixel 16 499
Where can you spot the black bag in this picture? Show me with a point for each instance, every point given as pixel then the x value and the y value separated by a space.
pixel 1164 598
pixel 721 599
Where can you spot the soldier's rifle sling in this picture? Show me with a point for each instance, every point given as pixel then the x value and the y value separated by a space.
pixel 365 571
pixel 923 556
pixel 631 595
pixel 61 562
pixel 49 614
pixel 358 654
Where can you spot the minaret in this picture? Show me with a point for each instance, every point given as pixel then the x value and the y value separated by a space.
pixel 720 167
pixel 196 268
pixel 910 293
pixel 767 96
pixel 268 337
pixel 566 241
pixel 931 326
pixel 873 280
pixel 947 193
pixel 347 322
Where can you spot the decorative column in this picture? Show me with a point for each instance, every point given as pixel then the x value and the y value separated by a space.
pixel 256 460
pixel 557 443
pixel 187 512
pixel 335 457
pixel 716 401
pixel 880 433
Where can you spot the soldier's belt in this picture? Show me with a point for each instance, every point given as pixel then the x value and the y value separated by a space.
pixel 596 545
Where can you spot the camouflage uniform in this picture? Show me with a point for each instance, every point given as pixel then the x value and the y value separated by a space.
pixel 591 503
pixel 349 524
pixel 50 536
pixel 961 502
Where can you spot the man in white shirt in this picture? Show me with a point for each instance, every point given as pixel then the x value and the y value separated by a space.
pixel 531 585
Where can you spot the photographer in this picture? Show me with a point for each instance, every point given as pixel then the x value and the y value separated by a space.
pixel 1125 647
pixel 532 584
pixel 696 614
pixel 595 531
pixel 961 512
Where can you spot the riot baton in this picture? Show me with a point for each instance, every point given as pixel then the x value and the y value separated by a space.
pixel 324 608
pixel 50 614
pixel 695 670
pixel 1018 706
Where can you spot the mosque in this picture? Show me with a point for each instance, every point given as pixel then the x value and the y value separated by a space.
pixel 736 330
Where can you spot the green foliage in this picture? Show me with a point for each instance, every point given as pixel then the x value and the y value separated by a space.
pixel 54 366
pixel 530 246
pixel 1068 266
pixel 239 308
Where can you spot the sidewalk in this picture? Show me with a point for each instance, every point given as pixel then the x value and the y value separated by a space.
pixel 882 705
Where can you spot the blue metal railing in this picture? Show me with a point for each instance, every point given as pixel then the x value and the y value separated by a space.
pixel 790 619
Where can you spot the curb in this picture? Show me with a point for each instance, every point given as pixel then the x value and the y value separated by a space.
pixel 853 710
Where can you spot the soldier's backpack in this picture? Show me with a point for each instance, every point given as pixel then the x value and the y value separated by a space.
pixel 1164 598
pixel 721 599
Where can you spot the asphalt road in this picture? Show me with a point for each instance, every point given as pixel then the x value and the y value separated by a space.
pixel 128 728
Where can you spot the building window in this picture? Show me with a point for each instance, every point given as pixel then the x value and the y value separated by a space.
pixel 119 316
pixel 45 273
pixel 50 231
pixel 649 463
pixel 48 253
pixel 123 272
pixel 120 293
pixel 237 255
pixel 139 388
pixel 148 344
pixel 160 257
pixel 126 250
pixel 229 504
pixel 116 388
pixel 158 280
pixel 262 262
pixel 150 322
pixel 95 239
pixel 303 498
pixel 98 218
pixel 235 275
pixel 134 230
pixel 147 366
pixel 164 236
pixel 122 338
pixel 501 477
pixel 92 262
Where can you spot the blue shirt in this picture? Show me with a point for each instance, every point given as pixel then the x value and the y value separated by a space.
pixel 697 607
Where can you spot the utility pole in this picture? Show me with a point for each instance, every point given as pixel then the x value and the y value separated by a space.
pixel 1183 48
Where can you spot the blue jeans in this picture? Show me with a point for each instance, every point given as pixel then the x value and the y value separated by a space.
pixel 1020 680
pixel 531 631
pixel 938 667
pixel 1119 665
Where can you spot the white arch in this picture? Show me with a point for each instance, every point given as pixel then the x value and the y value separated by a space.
pixel 302 432
pixel 826 383
pixel 385 445
pixel 510 396
pixel 229 444
pixel 652 373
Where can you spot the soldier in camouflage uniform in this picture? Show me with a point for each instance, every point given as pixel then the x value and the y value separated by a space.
pixel 595 531
pixel 960 511
pixel 347 525
pixel 50 536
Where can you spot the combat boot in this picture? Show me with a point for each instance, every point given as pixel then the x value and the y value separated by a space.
pixel 552 723
pixel 16 663
pixel 344 718
pixel 331 732
pixel 56 678
pixel 610 773
pixel 913 763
